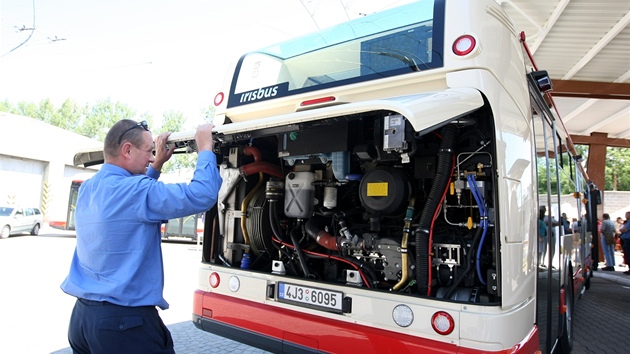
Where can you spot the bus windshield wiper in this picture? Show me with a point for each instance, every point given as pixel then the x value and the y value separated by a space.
pixel 405 59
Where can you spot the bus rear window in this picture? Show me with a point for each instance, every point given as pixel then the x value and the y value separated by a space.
pixel 387 44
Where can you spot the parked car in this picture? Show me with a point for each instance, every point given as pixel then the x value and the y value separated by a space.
pixel 15 220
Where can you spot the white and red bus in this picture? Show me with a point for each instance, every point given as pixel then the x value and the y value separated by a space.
pixel 64 220
pixel 381 189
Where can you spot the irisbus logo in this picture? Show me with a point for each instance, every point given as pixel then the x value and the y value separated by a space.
pixel 257 95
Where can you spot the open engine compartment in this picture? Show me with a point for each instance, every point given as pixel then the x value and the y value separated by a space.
pixel 363 200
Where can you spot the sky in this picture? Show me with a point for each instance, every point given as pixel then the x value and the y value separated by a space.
pixel 152 55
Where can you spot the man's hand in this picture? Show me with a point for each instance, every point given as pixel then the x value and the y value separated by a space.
pixel 162 152
pixel 203 137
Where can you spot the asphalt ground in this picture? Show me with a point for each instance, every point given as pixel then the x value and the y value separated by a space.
pixel 34 312
pixel 601 321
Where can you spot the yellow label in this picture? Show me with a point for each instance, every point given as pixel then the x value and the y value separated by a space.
pixel 377 189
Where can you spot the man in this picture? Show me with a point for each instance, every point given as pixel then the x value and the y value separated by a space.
pixel 542 241
pixel 565 224
pixel 117 271
pixel 549 220
pixel 608 242
pixel 625 238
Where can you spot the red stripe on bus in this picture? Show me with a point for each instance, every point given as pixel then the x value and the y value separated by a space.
pixel 330 335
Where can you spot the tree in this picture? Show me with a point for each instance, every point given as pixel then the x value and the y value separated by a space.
pixel 173 121
pixel 27 109
pixel 102 116
pixel 5 106
pixel 617 169
pixel 69 116
pixel 46 111
pixel 208 114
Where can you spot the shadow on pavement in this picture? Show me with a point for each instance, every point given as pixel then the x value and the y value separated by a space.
pixel 188 339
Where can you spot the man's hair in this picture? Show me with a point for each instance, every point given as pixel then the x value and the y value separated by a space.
pixel 111 147
pixel 606 216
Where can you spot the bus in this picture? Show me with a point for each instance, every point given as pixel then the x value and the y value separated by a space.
pixel 189 227
pixel 382 182
pixel 68 223
pixel 382 187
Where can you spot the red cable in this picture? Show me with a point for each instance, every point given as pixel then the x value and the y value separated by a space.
pixel 327 256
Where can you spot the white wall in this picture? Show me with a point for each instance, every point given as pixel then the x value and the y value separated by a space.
pixel 35 162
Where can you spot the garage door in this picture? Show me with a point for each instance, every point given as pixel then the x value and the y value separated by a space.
pixel 22 181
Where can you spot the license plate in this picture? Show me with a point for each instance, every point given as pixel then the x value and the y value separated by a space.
pixel 310 297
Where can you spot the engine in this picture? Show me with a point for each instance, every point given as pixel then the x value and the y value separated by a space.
pixel 366 201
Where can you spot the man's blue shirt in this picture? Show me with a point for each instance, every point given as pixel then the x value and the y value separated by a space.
pixel 626 235
pixel 118 257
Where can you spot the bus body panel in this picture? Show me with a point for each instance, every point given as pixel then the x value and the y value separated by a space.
pixel 319 333
pixel 516 177
pixel 486 94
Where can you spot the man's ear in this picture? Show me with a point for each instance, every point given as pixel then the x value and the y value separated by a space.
pixel 125 150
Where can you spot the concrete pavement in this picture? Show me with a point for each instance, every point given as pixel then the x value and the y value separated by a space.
pixel 34 312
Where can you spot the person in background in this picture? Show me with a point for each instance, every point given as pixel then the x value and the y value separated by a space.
pixel 549 220
pixel 625 238
pixel 618 241
pixel 565 224
pixel 607 237
pixel 117 272
pixel 542 241
pixel 575 226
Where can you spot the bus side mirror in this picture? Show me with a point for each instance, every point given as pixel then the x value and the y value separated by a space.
pixel 543 81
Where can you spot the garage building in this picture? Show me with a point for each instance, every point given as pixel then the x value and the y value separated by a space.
pixel 36 164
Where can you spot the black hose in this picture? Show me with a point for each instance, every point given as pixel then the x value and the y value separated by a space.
pixel 442 178
pixel 273 220
pixel 312 227
pixel 469 265
pixel 300 254
pixel 365 268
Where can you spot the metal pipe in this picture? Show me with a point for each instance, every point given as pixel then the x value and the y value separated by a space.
pixel 403 247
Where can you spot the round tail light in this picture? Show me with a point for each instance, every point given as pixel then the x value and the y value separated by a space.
pixel 442 323
pixel 218 99
pixel 214 279
pixel 464 45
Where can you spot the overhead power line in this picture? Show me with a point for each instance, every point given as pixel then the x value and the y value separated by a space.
pixel 32 29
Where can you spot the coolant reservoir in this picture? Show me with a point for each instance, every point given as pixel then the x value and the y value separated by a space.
pixel 299 196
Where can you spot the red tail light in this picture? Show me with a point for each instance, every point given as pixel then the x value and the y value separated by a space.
pixel 442 323
pixel 464 45
pixel 214 279
pixel 218 99
pixel 318 100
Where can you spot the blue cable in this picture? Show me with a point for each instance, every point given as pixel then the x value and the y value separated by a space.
pixel 483 213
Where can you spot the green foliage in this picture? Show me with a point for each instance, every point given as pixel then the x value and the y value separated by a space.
pixel 173 121
pixel 617 169
pixel 69 116
pixel 5 106
pixel 102 116
pixel 208 114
